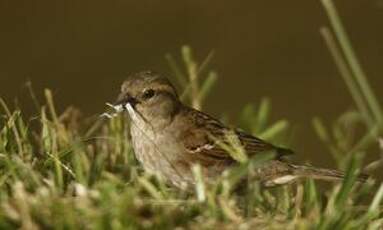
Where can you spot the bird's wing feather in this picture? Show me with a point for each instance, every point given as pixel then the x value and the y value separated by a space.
pixel 205 138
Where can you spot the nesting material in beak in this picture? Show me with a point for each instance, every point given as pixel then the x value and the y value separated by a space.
pixel 117 109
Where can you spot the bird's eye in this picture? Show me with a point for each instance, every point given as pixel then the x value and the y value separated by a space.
pixel 149 93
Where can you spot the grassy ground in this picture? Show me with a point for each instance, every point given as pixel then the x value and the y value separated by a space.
pixel 61 171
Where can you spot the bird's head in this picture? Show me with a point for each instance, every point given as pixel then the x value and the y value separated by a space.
pixel 151 95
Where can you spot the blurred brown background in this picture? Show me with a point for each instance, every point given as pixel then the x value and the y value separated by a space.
pixel 83 50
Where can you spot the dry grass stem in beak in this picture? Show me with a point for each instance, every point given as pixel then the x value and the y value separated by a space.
pixel 117 109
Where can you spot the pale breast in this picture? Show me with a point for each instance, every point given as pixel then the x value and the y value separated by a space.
pixel 158 155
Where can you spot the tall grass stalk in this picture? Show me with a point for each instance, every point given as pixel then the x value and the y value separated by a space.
pixel 352 60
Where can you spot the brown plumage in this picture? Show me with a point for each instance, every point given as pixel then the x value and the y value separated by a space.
pixel 169 137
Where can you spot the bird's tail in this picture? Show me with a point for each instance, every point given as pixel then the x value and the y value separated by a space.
pixel 322 173
pixel 304 171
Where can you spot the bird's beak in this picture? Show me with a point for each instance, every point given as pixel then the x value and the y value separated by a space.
pixel 124 99
pixel 123 102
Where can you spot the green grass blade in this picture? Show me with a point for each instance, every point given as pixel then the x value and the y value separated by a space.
pixel 346 74
pixel 352 60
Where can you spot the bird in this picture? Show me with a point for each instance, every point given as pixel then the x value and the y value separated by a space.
pixel 169 138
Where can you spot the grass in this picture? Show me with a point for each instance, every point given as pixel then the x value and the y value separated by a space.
pixel 58 172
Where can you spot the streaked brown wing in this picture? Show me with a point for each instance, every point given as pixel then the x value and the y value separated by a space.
pixel 202 140
pixel 254 145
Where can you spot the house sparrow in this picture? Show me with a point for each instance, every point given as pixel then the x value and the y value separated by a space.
pixel 169 137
